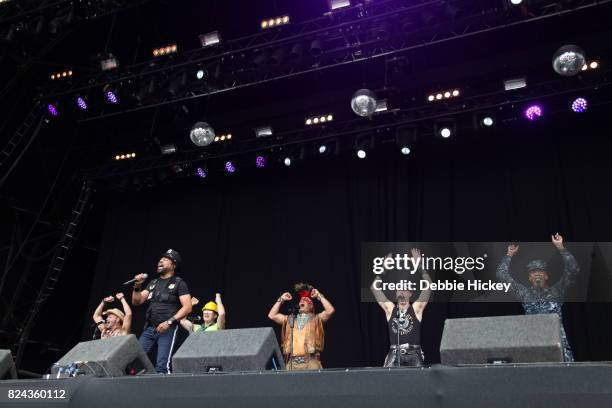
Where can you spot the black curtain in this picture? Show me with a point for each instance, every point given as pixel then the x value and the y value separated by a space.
pixel 252 235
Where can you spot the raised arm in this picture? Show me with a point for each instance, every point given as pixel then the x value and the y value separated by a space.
pixel 503 273
pixel 97 316
pixel 379 295
pixel 328 308
pixel 139 296
pixel 570 266
pixel 420 304
pixel 126 328
pixel 187 325
pixel 220 312
pixel 274 313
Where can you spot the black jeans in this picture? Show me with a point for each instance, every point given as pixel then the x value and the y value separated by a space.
pixel 409 355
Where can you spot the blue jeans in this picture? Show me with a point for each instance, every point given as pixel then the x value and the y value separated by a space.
pixel 165 343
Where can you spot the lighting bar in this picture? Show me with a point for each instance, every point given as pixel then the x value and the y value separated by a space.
pixel 336 4
pixel 317 120
pixel 223 138
pixel 125 156
pixel 438 96
pixel 210 39
pixel 274 22
pixel 263 131
pixel 169 49
pixel 381 105
pixel 61 75
pixel 109 63
pixel 515 83
pixel 168 149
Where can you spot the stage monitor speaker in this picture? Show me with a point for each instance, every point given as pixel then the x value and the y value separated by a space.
pixel 7 366
pixel 229 350
pixel 113 357
pixel 502 339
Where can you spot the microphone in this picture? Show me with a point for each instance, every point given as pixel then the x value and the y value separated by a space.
pixel 94 324
pixel 134 280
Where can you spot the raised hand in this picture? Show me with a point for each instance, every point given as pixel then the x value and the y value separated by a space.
pixel 109 299
pixel 194 301
pixel 557 240
pixel 315 293
pixel 512 249
pixel 416 253
pixel 286 296
pixel 119 296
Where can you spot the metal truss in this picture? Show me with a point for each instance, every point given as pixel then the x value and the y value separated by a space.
pixel 423 113
pixel 343 43
pixel 58 261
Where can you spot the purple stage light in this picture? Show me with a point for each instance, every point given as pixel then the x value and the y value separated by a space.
pixel 260 162
pixel 111 97
pixel 229 167
pixel 52 110
pixel 579 105
pixel 533 112
pixel 81 103
pixel 201 172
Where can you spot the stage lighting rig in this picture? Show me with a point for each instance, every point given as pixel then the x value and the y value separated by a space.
pixel 202 134
pixel 263 131
pixel 274 22
pixel 209 39
pixel 515 83
pixel 61 75
pixel 363 103
pixel 223 137
pixel 442 95
pixel 169 49
pixel 568 60
pixel 109 62
pixel 445 128
pixel 125 156
pixel 319 120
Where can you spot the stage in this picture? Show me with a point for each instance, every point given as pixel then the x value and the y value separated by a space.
pixel 519 385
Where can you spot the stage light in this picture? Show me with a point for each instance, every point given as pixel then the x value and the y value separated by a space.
pixel 263 131
pixel 404 138
pixel 109 62
pixel 81 103
pixel 315 120
pixel 361 153
pixel 111 97
pixel 487 121
pixel 223 138
pixel 161 51
pixel 287 161
pixel 515 83
pixel 322 149
pixel 61 75
pixel 261 162
pixel 445 132
pixel 202 134
pixel 125 156
pixel 381 106
pixel 206 40
pixel 52 109
pixel 363 102
pixel 516 2
pixel 229 167
pixel 533 112
pixel 593 65
pixel 336 4
pixel 580 105
pixel 274 22
pixel 445 128
pixel 316 48
pixel 200 74
pixel 167 149
pixel 438 96
pixel 201 173
pixel 568 60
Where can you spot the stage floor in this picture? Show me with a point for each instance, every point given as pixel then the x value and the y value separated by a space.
pixel 581 385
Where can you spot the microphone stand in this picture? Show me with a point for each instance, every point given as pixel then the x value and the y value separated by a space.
pixel 292 325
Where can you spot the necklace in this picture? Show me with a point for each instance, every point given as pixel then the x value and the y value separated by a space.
pixel 302 319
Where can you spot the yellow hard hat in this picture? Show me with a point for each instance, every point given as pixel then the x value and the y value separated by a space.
pixel 212 306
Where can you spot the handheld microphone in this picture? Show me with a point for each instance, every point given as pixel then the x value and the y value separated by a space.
pixel 94 324
pixel 134 280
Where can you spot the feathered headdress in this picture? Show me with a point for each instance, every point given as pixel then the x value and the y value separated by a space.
pixel 303 289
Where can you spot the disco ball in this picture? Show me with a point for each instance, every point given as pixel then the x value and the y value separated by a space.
pixel 202 134
pixel 363 102
pixel 568 60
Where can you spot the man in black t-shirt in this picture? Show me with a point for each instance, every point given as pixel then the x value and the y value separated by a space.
pixel 169 302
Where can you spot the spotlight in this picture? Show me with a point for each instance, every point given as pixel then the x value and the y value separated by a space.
pixel 125 156
pixel 206 40
pixel 229 167
pixel 404 138
pixel 167 149
pixel 223 138
pixel 590 65
pixel 263 131
pixel 363 102
pixel 516 2
pixel 261 162
pixel 381 106
pixel 580 105
pixel 438 96
pixel 362 146
pixel 515 83
pixel 161 51
pixel 322 149
pixel 111 96
pixel 52 109
pixel 287 161
pixel 81 103
pixel 200 74
pixel 484 120
pixel 109 62
pixel 445 128
pixel 318 119
pixel 336 4
pixel 568 60
pixel 202 134
pixel 201 173
pixel 487 121
pixel 533 112
pixel 274 22
pixel 361 153
pixel 61 75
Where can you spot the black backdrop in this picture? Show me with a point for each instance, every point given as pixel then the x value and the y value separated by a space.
pixel 253 234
